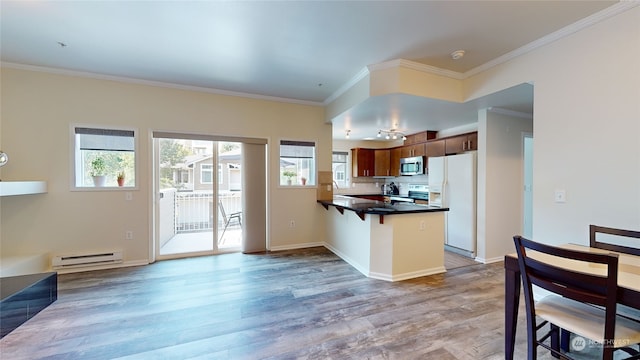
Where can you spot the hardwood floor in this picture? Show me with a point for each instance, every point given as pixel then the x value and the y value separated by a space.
pixel 302 304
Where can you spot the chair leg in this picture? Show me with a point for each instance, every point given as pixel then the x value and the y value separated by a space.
pixel 221 239
pixel 564 340
pixel 555 340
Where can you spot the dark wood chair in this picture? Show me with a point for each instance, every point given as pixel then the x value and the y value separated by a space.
pixel 569 306
pixel 594 230
pixel 593 241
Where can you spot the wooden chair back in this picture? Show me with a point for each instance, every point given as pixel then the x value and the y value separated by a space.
pixel 593 241
pixel 580 286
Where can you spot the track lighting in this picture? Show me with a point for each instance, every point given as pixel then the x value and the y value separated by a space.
pixel 391 134
pixel 348 133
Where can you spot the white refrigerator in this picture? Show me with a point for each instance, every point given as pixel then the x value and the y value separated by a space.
pixel 452 184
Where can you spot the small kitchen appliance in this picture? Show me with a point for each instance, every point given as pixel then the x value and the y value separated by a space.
pixel 412 165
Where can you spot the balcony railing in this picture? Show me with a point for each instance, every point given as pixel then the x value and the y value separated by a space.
pixel 194 210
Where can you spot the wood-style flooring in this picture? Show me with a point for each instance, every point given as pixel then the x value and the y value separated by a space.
pixel 299 304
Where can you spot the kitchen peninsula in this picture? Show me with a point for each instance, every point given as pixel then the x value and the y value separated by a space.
pixel 388 241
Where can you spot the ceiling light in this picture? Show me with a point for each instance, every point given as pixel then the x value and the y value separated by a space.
pixel 347 135
pixel 391 134
pixel 458 54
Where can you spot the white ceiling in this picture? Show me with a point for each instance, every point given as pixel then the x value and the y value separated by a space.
pixel 297 50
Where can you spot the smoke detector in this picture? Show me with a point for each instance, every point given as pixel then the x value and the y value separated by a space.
pixel 458 54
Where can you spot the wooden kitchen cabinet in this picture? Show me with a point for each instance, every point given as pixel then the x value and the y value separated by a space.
pixel 395 155
pixel 435 148
pixel 420 137
pixel 413 150
pixel 362 162
pixel 382 164
pixel 461 143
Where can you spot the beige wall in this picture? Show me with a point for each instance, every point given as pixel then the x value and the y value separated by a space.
pixel 586 127
pixel 37 110
pixel 500 179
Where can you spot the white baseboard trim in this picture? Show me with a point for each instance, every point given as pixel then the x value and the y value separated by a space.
pixel 409 275
pixel 103 267
pixel 348 260
pixel 490 260
pixel 296 246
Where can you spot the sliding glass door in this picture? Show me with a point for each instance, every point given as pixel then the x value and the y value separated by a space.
pixel 199 196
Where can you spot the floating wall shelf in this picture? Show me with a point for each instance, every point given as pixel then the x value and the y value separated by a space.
pixel 10 188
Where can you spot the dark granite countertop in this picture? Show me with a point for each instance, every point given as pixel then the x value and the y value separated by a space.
pixel 368 206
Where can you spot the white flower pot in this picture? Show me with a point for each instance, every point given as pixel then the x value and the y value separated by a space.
pixel 99 181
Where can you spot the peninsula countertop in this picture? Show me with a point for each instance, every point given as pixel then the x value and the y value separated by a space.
pixel 368 206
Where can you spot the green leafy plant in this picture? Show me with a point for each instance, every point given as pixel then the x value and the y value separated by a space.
pixel 98 167
pixel 121 175
pixel 289 174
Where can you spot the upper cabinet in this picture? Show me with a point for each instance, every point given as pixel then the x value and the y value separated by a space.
pixel 412 150
pixel 420 137
pixel 435 148
pixel 362 162
pixel 461 143
pixel 394 167
pixel 386 162
pixel 382 164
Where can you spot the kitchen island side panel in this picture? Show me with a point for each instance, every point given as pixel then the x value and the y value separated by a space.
pixel 348 237
pixel 407 246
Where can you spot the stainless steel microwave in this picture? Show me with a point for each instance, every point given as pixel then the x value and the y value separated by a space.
pixel 412 165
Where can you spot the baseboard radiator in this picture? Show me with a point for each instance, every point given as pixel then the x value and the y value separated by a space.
pixel 90 259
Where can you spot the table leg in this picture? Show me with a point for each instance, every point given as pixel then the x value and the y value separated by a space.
pixel 512 299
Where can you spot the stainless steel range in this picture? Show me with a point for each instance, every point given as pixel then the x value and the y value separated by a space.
pixel 418 192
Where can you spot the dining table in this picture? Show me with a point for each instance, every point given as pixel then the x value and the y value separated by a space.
pixel 628 284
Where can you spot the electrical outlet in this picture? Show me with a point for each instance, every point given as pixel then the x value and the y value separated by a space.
pixel 292 224
pixel 422 225
pixel 128 235
pixel 128 196
pixel 560 196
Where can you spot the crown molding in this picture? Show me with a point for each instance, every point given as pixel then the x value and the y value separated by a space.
pixel 363 73
pixel 618 8
pixel 416 66
pixel 613 10
pixel 96 76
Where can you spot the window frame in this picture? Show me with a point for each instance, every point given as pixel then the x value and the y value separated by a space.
pixel 343 182
pixel 73 161
pixel 202 171
pixel 313 171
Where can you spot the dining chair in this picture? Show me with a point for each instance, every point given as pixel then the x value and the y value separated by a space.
pixel 227 218
pixel 593 240
pixel 568 307
pixel 594 230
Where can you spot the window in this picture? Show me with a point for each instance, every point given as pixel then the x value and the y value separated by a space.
pixel 104 157
pixel 206 174
pixel 297 161
pixel 339 167
pixel 220 182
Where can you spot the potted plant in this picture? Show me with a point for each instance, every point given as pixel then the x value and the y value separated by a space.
pixel 98 168
pixel 303 180
pixel 120 178
pixel 289 174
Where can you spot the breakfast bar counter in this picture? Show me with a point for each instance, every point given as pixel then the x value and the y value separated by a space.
pixel 388 241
